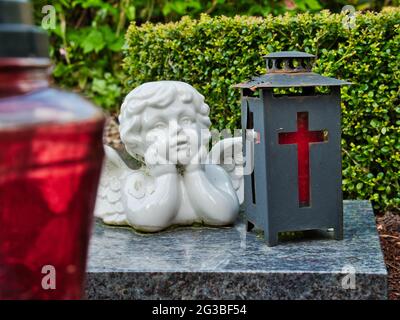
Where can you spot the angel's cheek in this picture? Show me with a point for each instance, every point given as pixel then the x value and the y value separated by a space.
pixel 155 136
pixel 159 146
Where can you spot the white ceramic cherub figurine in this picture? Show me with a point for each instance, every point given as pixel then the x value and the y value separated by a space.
pixel 164 122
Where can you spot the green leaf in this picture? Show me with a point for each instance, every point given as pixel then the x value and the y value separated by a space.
pixel 117 45
pixel 99 85
pixel 385 149
pixel 131 13
pixel 374 123
pixel 93 42
pixel 313 4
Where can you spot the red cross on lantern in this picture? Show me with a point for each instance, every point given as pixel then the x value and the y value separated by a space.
pixel 303 137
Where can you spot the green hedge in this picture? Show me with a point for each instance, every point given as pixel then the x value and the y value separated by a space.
pixel 212 54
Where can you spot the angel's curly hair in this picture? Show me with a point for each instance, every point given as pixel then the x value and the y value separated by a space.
pixel 157 94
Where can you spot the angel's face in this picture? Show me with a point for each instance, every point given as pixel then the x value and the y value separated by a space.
pixel 174 131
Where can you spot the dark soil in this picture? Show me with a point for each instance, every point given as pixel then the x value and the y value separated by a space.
pixel 389 233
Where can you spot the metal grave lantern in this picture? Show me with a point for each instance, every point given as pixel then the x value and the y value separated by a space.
pixel 296 181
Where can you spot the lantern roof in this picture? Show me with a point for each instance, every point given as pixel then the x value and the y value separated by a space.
pixel 289 54
pixel 290 69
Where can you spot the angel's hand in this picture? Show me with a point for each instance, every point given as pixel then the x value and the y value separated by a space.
pixel 198 160
pixel 157 162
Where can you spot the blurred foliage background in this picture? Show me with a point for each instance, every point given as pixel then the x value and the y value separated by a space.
pixel 89 35
pixel 172 10
pixel 88 47
pixel 212 54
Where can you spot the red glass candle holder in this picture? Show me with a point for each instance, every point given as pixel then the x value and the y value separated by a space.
pixel 50 161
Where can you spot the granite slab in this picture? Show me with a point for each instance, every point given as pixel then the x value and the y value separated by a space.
pixel 231 263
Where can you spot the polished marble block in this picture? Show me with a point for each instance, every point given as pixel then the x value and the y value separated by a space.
pixel 231 263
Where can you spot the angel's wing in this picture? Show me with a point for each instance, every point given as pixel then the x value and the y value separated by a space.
pixel 229 155
pixel 109 205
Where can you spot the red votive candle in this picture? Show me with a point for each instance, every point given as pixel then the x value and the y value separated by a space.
pixel 50 162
